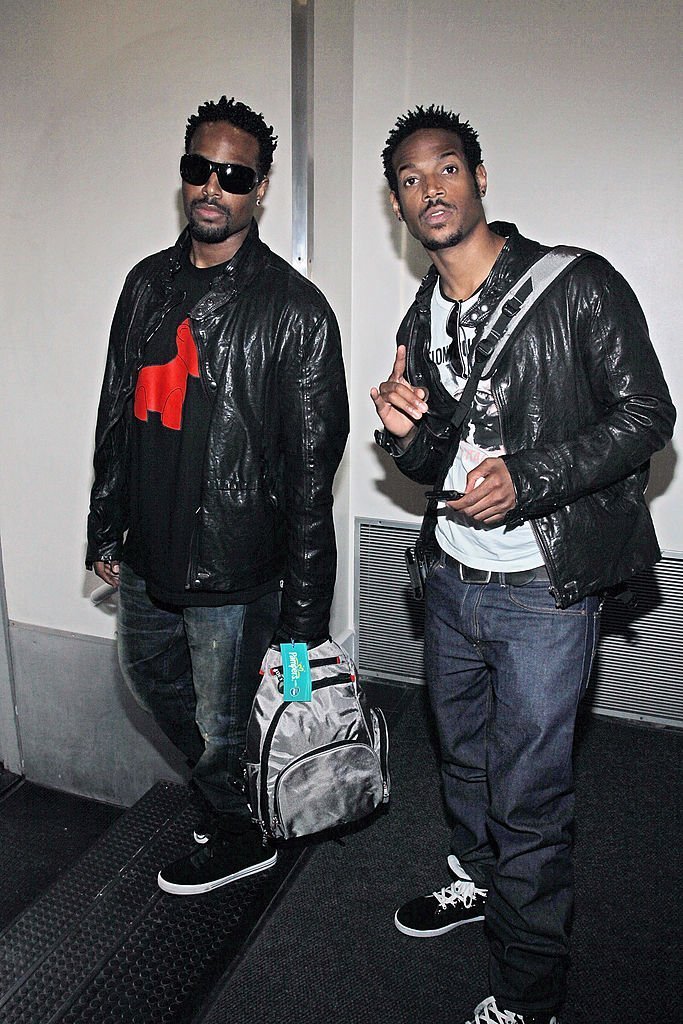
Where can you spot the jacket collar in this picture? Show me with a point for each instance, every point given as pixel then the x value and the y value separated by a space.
pixel 515 257
pixel 244 265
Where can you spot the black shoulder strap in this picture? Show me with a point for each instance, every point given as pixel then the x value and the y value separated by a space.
pixel 512 309
pixel 499 331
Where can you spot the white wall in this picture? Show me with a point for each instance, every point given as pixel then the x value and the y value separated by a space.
pixel 97 95
pixel 577 105
pixel 578 110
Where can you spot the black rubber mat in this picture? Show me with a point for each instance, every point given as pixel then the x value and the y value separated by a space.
pixel 42 833
pixel 105 945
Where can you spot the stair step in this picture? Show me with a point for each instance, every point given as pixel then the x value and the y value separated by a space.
pixel 105 945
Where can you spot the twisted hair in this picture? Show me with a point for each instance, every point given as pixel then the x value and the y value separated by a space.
pixel 241 116
pixel 429 117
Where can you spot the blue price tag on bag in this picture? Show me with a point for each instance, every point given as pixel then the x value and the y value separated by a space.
pixel 297 671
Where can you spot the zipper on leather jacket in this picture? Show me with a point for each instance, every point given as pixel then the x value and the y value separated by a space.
pixel 191 578
pixel 165 310
pixel 200 361
pixel 430 377
pixel 546 558
pixel 113 420
pixel 138 364
pixel 194 546
pixel 540 540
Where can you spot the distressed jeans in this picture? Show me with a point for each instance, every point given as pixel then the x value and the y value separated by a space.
pixel 196 670
pixel 506 670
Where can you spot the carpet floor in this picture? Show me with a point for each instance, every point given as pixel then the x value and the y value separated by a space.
pixel 331 952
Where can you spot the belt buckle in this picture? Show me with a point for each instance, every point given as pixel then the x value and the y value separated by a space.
pixel 462 569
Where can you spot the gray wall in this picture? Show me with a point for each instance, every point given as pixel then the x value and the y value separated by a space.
pixel 81 729
pixel 10 752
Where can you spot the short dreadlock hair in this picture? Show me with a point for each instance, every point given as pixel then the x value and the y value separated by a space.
pixel 241 116
pixel 431 117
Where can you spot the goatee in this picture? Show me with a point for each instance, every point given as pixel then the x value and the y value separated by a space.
pixel 434 244
pixel 209 233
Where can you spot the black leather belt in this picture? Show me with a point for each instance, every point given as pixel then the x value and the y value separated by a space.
pixel 513 579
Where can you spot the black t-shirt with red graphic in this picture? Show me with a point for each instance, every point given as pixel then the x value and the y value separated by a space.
pixel 171 415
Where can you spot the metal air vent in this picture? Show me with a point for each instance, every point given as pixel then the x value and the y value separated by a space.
pixel 638 672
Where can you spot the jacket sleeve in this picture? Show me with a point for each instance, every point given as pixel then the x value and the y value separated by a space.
pixel 313 431
pixel 635 418
pixel 422 460
pixel 108 516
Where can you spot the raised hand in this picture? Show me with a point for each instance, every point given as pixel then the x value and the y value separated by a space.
pixel 399 405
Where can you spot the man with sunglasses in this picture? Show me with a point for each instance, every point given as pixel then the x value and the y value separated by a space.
pixel 541 511
pixel 222 420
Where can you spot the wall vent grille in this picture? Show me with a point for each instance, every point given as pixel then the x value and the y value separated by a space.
pixel 639 669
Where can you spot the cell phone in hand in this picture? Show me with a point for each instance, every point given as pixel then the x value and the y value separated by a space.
pixel 444 495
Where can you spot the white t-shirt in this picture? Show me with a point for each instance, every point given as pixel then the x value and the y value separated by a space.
pixel 495 548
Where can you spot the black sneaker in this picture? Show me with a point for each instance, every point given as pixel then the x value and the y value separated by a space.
pixel 435 914
pixel 488 1013
pixel 218 862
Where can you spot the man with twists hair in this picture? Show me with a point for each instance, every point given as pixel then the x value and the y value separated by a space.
pixel 539 511
pixel 222 420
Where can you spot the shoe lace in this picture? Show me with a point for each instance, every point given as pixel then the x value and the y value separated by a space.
pixel 488 1013
pixel 458 892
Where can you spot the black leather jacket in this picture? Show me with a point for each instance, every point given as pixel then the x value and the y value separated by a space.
pixel 269 351
pixel 583 405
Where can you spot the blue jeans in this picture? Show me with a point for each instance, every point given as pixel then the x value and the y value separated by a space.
pixel 196 670
pixel 506 671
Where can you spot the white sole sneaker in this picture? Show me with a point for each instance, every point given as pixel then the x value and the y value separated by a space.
pixel 434 932
pixel 215 883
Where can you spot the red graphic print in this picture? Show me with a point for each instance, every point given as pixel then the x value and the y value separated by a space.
pixel 162 388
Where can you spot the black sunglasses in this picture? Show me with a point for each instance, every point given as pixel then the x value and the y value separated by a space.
pixel 452 322
pixel 454 355
pixel 195 169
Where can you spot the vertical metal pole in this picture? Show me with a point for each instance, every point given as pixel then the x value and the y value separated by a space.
pixel 302 134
